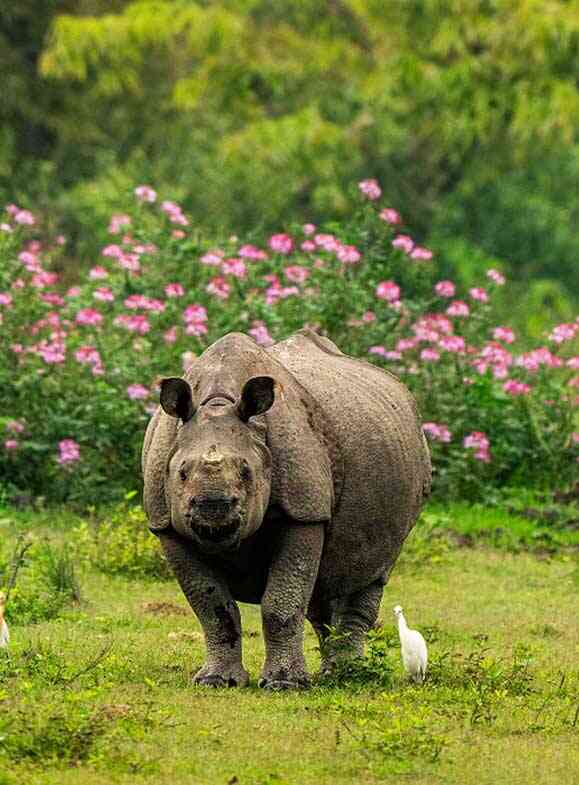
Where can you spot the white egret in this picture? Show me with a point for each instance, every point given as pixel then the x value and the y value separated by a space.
pixel 4 636
pixel 413 648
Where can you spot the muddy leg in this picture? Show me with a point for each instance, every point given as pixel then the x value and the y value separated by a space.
pixel 207 593
pixel 292 575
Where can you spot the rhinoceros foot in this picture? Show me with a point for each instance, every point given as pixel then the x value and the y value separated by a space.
pixel 284 680
pixel 226 676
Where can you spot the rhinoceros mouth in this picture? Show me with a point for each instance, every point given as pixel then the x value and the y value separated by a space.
pixel 215 534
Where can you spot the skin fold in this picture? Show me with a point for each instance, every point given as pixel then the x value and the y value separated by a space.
pixel 288 477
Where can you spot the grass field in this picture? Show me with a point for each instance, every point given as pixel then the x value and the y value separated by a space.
pixel 100 692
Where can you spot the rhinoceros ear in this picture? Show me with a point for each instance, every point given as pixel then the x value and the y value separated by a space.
pixel 176 398
pixel 257 397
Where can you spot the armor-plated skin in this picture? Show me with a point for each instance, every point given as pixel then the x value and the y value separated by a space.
pixel 288 476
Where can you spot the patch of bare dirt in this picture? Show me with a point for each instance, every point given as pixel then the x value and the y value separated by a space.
pixel 165 609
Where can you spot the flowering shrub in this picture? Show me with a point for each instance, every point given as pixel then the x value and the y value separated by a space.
pixel 80 365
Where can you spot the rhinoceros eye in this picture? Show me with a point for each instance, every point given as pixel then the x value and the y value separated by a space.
pixel 245 471
pixel 182 473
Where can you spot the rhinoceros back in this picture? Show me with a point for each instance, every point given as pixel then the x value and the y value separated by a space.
pixel 385 461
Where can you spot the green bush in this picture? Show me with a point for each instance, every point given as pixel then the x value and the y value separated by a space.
pixel 80 366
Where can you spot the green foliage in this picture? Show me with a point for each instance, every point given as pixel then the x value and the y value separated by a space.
pixel 121 544
pixel 81 366
pixel 245 111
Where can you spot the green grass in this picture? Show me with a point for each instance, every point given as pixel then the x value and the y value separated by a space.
pixel 100 693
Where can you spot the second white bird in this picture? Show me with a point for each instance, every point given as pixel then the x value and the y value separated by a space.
pixel 413 648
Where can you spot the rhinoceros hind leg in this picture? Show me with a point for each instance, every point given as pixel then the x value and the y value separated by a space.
pixel 353 617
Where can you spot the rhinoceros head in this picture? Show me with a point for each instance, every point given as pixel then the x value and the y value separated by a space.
pixel 218 479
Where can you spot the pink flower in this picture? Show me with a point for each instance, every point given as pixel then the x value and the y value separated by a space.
pixel 348 254
pixel 281 243
pixel 370 189
pixel 368 316
pixel 439 433
pixel 212 258
pixel 88 355
pixel 422 254
pixel 145 193
pixel 429 326
pixel 5 299
pixel 445 289
pixel 69 452
pixel 327 241
pixel 24 218
pixel 495 276
pixel 563 332
pixel 429 355
pixel 404 243
pixel 15 426
pixel 117 222
pixel 74 291
pixel 391 216
pixel 52 352
pixel 382 352
pixel 135 301
pixel 103 294
pixel 308 229
pixel 479 442
pixel 404 344
pixel 308 246
pixel 137 392
pixel 112 252
pixel 388 290
pixel 97 273
pixel 174 213
pixel 30 261
pixel 573 362
pixel 251 252
pixel 452 343
pixel 4 227
pixel 219 288
pixel 504 334
pixel 51 298
pixel 174 290
pixel 235 267
pixel 88 316
pixel 260 334
pixel 11 444
pixel 130 262
pixel 194 313
pixel 533 360
pixel 458 308
pixel 516 388
pixel 575 437
pixel 135 323
pixel 479 294
pixel 170 335
pixel 196 328
pixel 42 279
pixel 296 273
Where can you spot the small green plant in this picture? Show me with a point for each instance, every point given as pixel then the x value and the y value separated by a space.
pixel 57 567
pixel 59 736
pixel 375 667
pixel 121 544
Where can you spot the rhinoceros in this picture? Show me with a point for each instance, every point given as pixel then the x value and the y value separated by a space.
pixel 286 476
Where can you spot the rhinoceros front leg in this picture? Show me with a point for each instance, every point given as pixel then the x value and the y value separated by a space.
pixel 291 579
pixel 207 593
